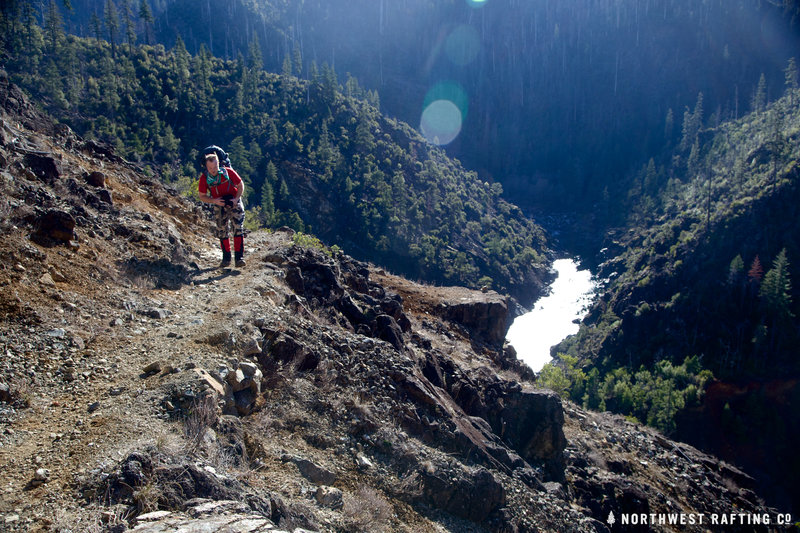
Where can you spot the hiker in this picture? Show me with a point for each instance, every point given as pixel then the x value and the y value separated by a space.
pixel 222 186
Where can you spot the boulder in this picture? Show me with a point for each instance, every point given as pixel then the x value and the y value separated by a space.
pixel 313 472
pixel 469 493
pixel 485 316
pixel 44 167
pixel 531 422
pixel 5 392
pixel 54 225
pixel 387 329
pixel 244 388
pixel 329 497
pixel 96 179
pixel 285 349
pixel 105 196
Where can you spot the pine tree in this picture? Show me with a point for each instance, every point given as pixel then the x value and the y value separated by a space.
pixel 374 99
pixel 697 115
pixel 272 173
pixel 776 289
pixel 267 202
pixel 297 62
pixel 330 84
pixel 274 135
pixel 735 270
pixel 287 66
pixel 669 125
pixel 756 271
pixel 760 97
pixel 283 192
pixel 130 30
pixel 686 134
pixel 53 22
pixel 112 25
pixel 791 80
pixel 96 25
pixel 254 60
pixel 146 16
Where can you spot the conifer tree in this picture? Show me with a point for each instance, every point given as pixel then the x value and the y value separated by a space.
pixel 130 30
pixel 96 25
pixel 286 71
pixel 669 124
pixel 267 202
pixel 686 136
pixel 760 96
pixel 297 62
pixel 146 16
pixel 274 135
pixel 735 270
pixel 791 80
pixel 776 288
pixel 254 60
pixel 756 271
pixel 112 25
pixel 53 22
pixel 697 115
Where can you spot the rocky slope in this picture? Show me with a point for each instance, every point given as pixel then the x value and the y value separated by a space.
pixel 143 389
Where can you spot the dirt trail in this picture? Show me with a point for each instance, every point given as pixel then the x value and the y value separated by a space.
pixel 111 407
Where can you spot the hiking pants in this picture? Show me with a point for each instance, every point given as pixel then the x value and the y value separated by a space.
pixel 233 216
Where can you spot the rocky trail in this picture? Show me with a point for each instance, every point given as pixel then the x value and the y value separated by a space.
pixel 143 389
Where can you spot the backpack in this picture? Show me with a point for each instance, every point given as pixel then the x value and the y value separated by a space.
pixel 224 160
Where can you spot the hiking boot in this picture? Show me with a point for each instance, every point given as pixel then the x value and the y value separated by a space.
pixel 226 260
pixel 240 263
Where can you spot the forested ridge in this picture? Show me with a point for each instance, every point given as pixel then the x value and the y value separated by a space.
pixel 561 102
pixel 317 156
pixel 700 295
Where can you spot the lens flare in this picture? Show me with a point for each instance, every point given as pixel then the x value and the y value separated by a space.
pixel 451 91
pixel 463 45
pixel 476 3
pixel 441 122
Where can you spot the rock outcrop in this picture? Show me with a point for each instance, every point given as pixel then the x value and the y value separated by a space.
pixel 486 317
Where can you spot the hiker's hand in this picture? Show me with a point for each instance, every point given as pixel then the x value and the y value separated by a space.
pixel 218 201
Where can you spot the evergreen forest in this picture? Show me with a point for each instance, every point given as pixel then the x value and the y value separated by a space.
pixel 316 155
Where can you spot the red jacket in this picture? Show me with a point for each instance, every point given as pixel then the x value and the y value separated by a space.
pixel 229 184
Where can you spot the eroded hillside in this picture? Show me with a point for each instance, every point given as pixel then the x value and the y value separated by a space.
pixel 144 389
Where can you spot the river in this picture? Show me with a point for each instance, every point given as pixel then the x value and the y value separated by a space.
pixel 553 316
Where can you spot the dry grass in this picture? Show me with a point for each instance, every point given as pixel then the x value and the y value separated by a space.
pixel 367 511
pixel 148 496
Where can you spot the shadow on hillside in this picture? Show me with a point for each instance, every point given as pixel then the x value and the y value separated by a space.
pixel 200 279
pixel 165 274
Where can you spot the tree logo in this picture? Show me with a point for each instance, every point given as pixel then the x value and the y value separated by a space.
pixel 611 520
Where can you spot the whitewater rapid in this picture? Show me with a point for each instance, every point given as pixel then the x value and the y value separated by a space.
pixel 554 317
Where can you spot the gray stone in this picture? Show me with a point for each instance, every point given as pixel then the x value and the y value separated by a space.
pixel 329 497
pixel 55 225
pixel 252 347
pixel 152 368
pixel 44 167
pixel 96 179
pixel 249 369
pixel 485 316
pixel 159 314
pixel 314 473
pixel 41 476
pixel 105 196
